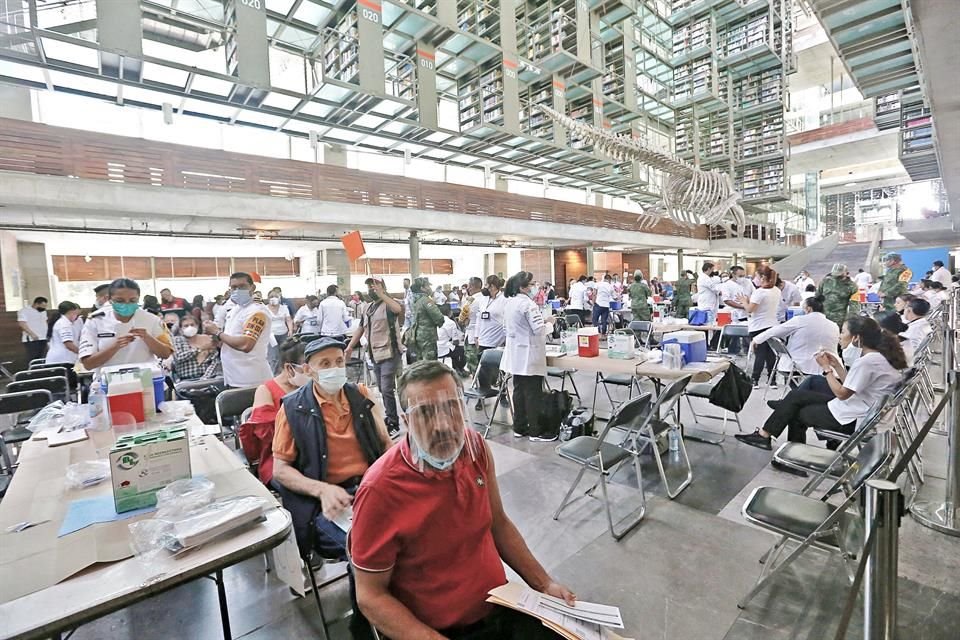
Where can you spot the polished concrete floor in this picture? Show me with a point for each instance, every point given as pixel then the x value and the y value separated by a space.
pixel 676 577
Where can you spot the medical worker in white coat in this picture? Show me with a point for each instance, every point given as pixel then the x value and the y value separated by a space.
pixel 525 356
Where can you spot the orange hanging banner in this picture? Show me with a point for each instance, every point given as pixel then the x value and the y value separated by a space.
pixel 353 244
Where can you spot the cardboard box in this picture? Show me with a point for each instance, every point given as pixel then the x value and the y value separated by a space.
pixel 143 463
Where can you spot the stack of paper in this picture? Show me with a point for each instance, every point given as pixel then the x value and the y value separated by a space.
pixel 583 621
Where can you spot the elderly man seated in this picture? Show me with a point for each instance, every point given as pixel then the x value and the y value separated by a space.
pixel 430 534
pixel 328 433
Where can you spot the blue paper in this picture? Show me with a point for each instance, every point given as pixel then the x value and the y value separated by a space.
pixel 83 513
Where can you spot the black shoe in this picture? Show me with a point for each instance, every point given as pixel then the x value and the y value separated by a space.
pixel 779 466
pixel 393 432
pixel 755 440
pixel 774 404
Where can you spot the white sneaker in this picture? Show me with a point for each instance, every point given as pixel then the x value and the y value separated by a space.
pixel 519 435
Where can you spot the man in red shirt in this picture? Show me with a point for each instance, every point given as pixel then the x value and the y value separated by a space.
pixel 169 303
pixel 429 531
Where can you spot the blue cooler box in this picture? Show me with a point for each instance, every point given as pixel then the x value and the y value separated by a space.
pixel 616 305
pixel 692 343
pixel 792 312
pixel 556 304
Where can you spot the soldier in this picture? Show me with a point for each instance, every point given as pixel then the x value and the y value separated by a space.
pixel 639 295
pixel 681 294
pixel 894 281
pixel 836 290
pixel 427 318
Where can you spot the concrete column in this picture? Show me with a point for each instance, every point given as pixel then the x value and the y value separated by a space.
pixel 35 271
pixel 735 257
pixel 499 183
pixel 15 103
pixel 414 255
pixel 339 264
pixel 589 260
pixel 679 262
pixel 553 267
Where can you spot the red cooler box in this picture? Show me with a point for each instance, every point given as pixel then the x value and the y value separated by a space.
pixel 724 318
pixel 588 342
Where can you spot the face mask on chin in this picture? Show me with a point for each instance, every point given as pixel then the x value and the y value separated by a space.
pixel 440 464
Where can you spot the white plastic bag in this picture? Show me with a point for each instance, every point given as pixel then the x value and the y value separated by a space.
pixel 60 417
pixel 182 497
pixel 88 473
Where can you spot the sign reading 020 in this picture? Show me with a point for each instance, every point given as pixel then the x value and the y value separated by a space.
pixel 253 4
pixel 369 14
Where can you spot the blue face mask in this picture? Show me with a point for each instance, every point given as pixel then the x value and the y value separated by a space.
pixel 125 309
pixel 440 464
pixel 241 297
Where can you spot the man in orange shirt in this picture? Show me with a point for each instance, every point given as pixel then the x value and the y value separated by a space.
pixel 327 435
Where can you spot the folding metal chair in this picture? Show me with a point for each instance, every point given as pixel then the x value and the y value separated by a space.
pixel 573 321
pixel 488 382
pixel 58 386
pixel 35 361
pixel 41 364
pixel 815 522
pixel 597 454
pixel 733 330
pixel 642 330
pixel 628 380
pixel 656 424
pixel 826 462
pixel 15 403
pixel 44 372
pixel 564 375
pixel 793 374
pixel 704 390
pixel 230 405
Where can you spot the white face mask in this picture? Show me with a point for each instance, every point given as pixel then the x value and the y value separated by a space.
pixel 274 301
pixel 331 380
pixel 851 353
pixel 189 331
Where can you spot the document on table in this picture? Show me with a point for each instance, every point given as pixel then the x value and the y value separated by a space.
pixel 66 437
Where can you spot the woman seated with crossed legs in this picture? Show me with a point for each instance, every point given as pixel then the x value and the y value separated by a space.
pixel 851 393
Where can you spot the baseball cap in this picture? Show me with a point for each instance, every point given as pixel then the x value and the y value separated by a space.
pixel 838 269
pixel 320 344
pixel 892 256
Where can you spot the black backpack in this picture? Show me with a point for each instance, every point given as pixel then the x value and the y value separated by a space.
pixel 733 390
pixel 555 407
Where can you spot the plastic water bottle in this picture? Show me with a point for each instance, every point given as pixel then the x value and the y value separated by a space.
pixel 96 401
pixel 609 342
pixel 673 442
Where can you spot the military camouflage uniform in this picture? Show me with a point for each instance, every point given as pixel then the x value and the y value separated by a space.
pixel 470 350
pixel 427 318
pixel 893 284
pixel 681 296
pixel 836 292
pixel 639 306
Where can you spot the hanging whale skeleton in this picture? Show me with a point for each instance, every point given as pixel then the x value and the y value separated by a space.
pixel 690 196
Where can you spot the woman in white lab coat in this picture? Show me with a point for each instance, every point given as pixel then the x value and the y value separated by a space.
pixel 525 356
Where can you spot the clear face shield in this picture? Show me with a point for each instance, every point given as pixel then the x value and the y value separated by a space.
pixel 437 423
